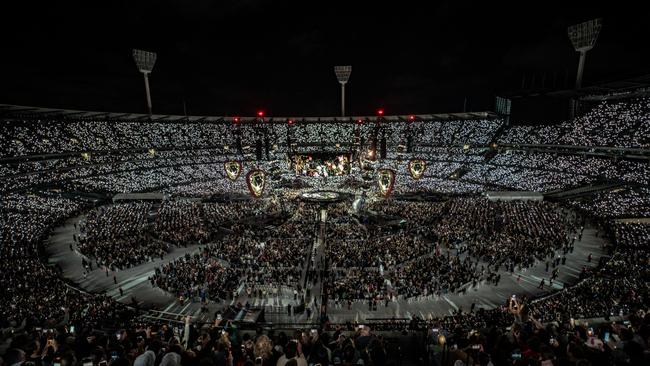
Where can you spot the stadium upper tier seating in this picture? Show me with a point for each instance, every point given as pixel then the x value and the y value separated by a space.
pixel 133 156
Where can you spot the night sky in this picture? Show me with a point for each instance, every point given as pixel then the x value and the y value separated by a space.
pixel 234 57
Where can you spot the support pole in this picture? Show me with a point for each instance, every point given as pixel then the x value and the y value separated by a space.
pixel 146 88
pixel 581 67
pixel 342 99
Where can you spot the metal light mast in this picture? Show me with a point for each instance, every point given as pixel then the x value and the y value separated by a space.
pixel 583 36
pixel 145 61
pixel 343 74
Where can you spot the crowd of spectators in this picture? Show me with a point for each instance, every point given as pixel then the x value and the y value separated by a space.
pixel 262 257
pixel 444 246
pixel 561 170
pixel 127 234
pixel 221 267
pixel 221 343
pixel 31 289
pixel 524 179
pixel 52 136
pixel 433 275
pixel 494 231
pixel 462 240
pixel 197 276
pixel 352 284
pixel 186 158
pixel 619 203
pixel 619 286
pixel 231 211
pixel 613 289
pixel 180 222
pixel 495 338
pixel 618 123
pixel 456 133
pixel 375 250
pixel 118 236
pixel 34 293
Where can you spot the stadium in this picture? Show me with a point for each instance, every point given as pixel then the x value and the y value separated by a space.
pixel 446 238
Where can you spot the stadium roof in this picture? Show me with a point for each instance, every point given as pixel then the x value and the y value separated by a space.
pixel 17 111
pixel 605 90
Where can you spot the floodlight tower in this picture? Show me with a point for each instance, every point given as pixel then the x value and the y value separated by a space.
pixel 343 74
pixel 145 61
pixel 583 36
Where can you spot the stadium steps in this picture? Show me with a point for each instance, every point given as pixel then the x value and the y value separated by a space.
pixel 580 191
pixel 489 155
pixel 96 198
pixel 497 134
pixel 458 173
pixel 153 213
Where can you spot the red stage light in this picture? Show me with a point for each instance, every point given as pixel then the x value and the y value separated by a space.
pixel 380 112
pixel 411 117
pixel 290 121
pixel 236 119
pixel 260 114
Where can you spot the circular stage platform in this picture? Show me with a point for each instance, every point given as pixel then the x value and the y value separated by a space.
pixel 323 196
